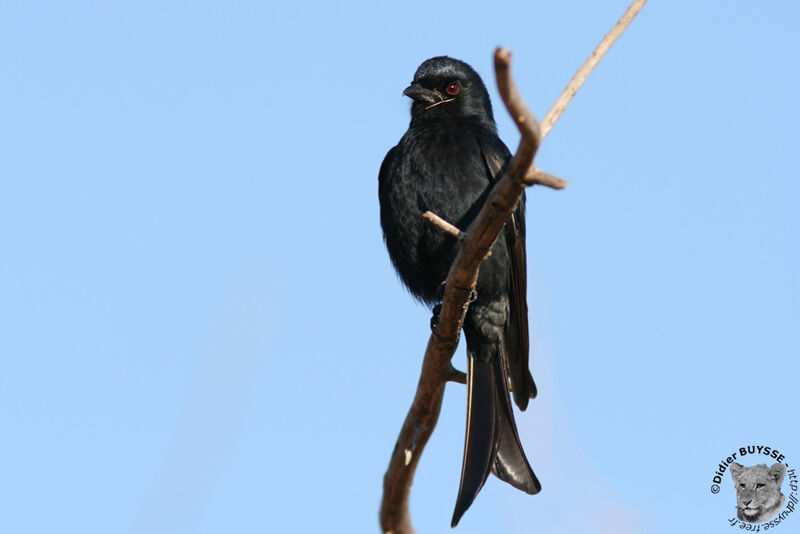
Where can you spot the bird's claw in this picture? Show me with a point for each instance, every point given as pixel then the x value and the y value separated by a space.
pixel 435 317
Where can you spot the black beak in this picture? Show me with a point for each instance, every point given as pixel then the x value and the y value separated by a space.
pixel 417 92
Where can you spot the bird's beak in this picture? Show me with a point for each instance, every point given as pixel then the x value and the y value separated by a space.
pixel 417 92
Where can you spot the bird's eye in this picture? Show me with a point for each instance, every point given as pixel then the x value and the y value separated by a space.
pixel 452 89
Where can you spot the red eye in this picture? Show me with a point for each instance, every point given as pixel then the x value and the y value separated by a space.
pixel 452 89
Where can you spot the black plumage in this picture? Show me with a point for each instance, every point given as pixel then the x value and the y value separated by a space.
pixel 447 162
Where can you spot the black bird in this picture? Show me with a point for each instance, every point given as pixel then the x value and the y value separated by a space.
pixel 447 162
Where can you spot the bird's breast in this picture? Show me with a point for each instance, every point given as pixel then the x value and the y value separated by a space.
pixel 438 169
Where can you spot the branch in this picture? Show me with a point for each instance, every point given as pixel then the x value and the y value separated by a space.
pixel 582 73
pixel 476 242
pixel 443 225
pixel 535 176
pixel 454 375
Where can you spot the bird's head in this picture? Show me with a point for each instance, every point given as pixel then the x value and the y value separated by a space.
pixel 444 87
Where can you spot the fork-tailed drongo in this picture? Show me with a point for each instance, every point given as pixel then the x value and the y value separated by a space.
pixel 447 162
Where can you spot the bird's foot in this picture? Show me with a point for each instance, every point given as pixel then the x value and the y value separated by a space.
pixel 435 317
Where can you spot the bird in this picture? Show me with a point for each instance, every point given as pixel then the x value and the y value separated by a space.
pixel 447 162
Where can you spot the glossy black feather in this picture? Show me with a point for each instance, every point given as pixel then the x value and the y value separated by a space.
pixel 479 452
pixel 447 162
pixel 517 343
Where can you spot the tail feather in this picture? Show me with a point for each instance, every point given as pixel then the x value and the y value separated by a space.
pixel 510 464
pixel 479 444
pixel 492 442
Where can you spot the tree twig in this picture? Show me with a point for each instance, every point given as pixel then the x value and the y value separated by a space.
pixel 442 224
pixel 536 176
pixel 454 375
pixel 582 73
pixel 476 242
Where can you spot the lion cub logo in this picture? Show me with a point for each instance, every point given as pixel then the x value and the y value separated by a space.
pixel 758 491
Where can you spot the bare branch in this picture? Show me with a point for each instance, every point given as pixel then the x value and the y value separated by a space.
pixel 536 176
pixel 454 375
pixel 522 116
pixel 442 224
pixel 589 65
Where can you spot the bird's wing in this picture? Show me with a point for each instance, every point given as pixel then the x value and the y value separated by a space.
pixel 383 174
pixel 517 342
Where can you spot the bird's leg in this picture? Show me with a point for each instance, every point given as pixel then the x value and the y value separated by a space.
pixel 439 295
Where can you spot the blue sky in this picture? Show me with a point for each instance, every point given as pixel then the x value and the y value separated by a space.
pixel 200 329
